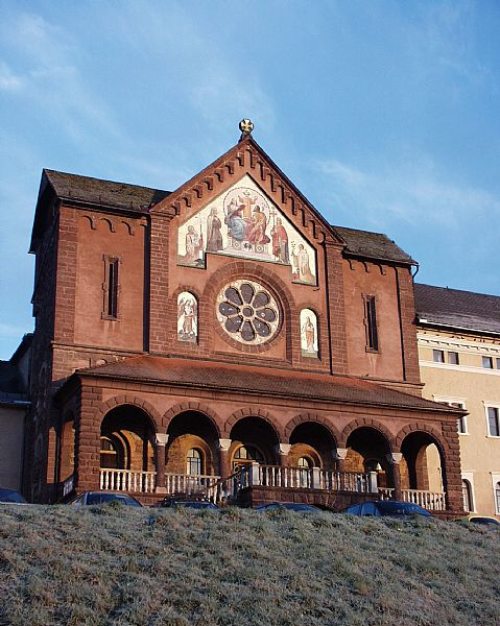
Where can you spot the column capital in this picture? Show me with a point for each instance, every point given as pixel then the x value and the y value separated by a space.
pixel 283 448
pixel 394 458
pixel 340 454
pixel 225 444
pixel 161 439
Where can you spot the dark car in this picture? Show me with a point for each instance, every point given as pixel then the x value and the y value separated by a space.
pixel 11 496
pixel 188 504
pixel 392 508
pixel 288 506
pixel 105 497
pixel 482 520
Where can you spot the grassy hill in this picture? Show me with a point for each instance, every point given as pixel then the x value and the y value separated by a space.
pixel 111 565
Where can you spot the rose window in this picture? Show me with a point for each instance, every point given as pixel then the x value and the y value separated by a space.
pixel 247 312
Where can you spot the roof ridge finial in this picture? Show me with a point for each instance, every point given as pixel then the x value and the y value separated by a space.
pixel 246 127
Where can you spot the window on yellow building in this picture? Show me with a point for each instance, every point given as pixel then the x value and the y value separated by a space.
pixel 493 421
pixel 438 356
pixel 467 496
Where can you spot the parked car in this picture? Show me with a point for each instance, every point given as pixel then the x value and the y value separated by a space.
pixel 105 497
pixel 481 519
pixel 288 506
pixel 187 504
pixel 11 496
pixel 391 508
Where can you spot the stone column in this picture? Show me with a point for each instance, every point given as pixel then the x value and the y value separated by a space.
pixel 161 440
pixel 283 450
pixel 394 459
pixel 340 455
pixel 224 465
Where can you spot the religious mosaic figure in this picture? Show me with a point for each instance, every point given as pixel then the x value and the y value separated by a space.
pixel 280 242
pixel 244 222
pixel 187 317
pixel 302 271
pixel 214 236
pixel 308 333
pixel 256 227
pixel 234 220
pixel 194 246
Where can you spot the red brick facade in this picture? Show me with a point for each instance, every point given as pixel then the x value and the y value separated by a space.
pixel 97 374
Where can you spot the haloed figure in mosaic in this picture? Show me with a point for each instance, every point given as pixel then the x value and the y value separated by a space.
pixel 280 241
pixel 214 235
pixel 308 333
pixel 187 317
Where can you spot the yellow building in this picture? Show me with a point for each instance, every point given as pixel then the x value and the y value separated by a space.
pixel 459 353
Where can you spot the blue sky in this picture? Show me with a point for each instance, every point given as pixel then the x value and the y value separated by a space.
pixel 385 114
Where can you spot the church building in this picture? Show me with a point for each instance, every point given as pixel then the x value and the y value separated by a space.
pixel 224 340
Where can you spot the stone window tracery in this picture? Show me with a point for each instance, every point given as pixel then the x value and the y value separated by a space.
pixel 248 312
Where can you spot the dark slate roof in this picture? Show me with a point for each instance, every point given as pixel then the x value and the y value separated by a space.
pixel 461 310
pixel 103 192
pixel 370 245
pixel 246 379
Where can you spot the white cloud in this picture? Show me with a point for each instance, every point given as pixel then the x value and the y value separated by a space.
pixel 8 80
pixel 411 193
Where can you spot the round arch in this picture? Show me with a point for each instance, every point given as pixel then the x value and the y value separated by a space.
pixel 314 418
pixel 195 407
pixel 257 412
pixel 127 400
pixel 366 422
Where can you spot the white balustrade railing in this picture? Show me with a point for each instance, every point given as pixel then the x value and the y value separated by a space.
pixel 127 480
pixel 386 493
pixel 189 485
pixel 431 500
pixel 309 478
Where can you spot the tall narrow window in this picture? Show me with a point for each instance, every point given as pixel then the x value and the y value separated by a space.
pixel 194 462
pixel 371 324
pixel 497 497
pixel 493 421
pixel 111 287
pixel 467 496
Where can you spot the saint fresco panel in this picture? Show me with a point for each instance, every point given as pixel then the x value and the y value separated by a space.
pixel 187 317
pixel 309 333
pixel 243 222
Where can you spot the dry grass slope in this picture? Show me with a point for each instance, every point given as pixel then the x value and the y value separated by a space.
pixel 109 565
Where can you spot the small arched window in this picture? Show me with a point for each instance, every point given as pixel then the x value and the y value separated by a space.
pixel 467 496
pixel 247 454
pixel 305 464
pixel 194 462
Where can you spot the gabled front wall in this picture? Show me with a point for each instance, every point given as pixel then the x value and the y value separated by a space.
pixel 156 280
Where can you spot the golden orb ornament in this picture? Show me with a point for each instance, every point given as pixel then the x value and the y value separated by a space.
pixel 246 127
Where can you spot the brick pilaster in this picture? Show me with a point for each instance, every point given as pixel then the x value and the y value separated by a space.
pixel 158 329
pixel 87 436
pixel 407 324
pixel 452 477
pixel 336 307
pixel 64 326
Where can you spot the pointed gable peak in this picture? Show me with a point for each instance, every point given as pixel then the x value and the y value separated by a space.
pixel 246 157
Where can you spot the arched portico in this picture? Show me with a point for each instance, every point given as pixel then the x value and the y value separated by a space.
pixel 312 444
pixel 192 445
pixel 368 450
pixel 253 439
pixel 127 450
